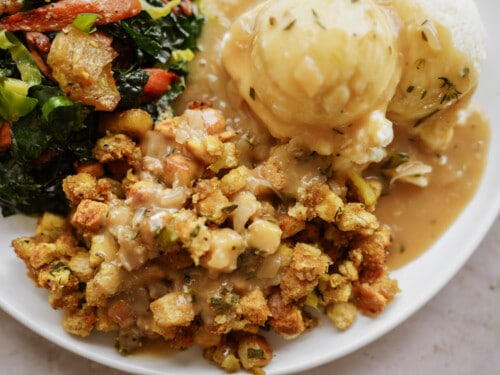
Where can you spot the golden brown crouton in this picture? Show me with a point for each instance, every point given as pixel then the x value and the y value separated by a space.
pixel 79 322
pixel 209 201
pixel 354 217
pixel 302 276
pixel 286 320
pixel 342 314
pixel 374 253
pixel 254 307
pixel 207 150
pixel 109 280
pixel 234 181
pixel 371 299
pixel 118 147
pixel 174 309
pixel 90 215
pixel 52 226
pixel 254 351
pixel 290 225
pixel 79 187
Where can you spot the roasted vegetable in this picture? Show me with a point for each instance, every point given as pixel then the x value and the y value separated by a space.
pixel 54 85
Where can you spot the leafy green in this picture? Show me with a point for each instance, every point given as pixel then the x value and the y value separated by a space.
pixel 155 41
pixel 21 190
pixel 45 144
pixel 130 85
pixel 49 132
pixel 14 102
pixel 30 4
pixel 13 105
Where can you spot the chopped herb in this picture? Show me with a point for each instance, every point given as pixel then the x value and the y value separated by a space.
pixel 317 20
pixel 195 231
pixel 59 267
pixel 424 94
pixel 229 209
pixel 251 141
pixel 420 63
pixel 338 213
pixel 410 89
pixel 60 272
pixel 451 93
pixel 327 171
pixel 425 118
pixel 256 353
pixel 250 275
pixel 395 161
pixel 290 25
pixel 424 36
pixel 465 72
pixel 251 93
pixel 221 305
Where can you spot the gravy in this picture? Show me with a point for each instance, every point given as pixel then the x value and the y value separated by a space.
pixel 417 216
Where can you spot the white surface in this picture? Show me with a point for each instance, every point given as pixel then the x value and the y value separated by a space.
pixel 456 333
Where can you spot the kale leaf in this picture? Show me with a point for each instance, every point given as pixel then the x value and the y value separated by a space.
pixel 47 142
pixel 43 152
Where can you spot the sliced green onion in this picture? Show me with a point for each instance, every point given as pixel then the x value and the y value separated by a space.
pixel 53 103
pixel 85 22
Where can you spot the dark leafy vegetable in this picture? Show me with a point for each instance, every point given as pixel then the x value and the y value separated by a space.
pixel 49 132
pixel 30 4
pixel 130 85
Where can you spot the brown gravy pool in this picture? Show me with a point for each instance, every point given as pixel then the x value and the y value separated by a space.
pixel 418 216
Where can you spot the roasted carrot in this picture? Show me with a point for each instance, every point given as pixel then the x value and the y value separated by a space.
pixel 158 83
pixel 55 16
pixel 5 138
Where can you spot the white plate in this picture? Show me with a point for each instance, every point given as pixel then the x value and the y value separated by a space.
pixel 19 298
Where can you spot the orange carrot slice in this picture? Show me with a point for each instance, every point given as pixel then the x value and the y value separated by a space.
pixel 55 16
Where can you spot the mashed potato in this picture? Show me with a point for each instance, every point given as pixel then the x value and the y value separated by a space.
pixel 314 70
pixel 442 47
pixel 302 67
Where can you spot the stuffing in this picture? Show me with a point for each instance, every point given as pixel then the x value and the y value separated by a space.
pixel 192 246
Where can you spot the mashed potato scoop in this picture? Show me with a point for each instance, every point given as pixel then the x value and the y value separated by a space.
pixel 315 70
pixel 333 76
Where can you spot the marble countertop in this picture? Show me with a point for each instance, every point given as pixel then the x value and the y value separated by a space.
pixel 457 332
